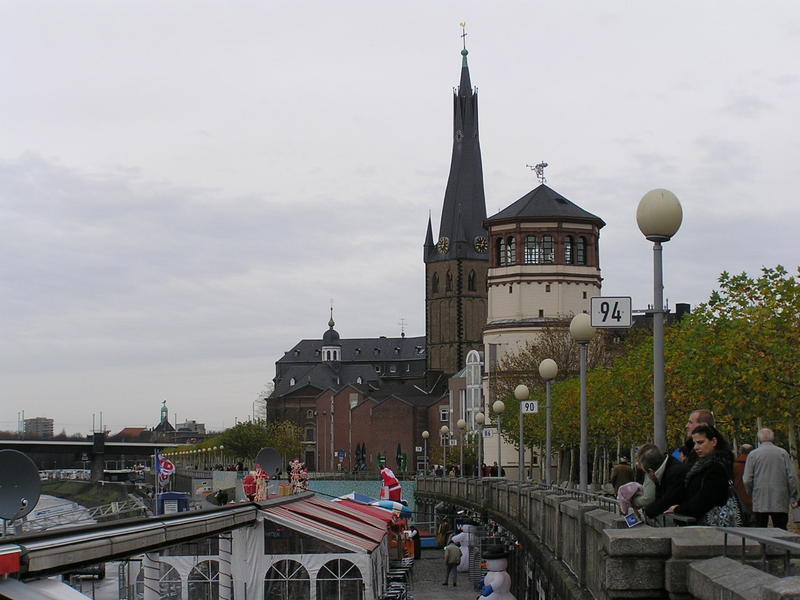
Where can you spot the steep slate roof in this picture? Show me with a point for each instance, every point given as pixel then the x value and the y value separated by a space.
pixel 543 202
pixel 464 208
pixel 361 350
pixel 323 376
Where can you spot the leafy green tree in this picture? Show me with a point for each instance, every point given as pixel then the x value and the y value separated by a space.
pixel 245 439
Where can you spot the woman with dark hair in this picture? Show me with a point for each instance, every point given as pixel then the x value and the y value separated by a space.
pixel 706 484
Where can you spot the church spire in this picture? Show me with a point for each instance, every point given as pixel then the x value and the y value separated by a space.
pixel 461 232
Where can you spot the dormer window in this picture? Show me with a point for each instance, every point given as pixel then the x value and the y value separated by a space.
pixel 292 381
pixel 397 350
pixel 359 379
pixel 420 349
pixel 376 351
pixel 358 351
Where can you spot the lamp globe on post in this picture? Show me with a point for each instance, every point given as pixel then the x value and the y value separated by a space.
pixel 461 424
pixel 581 330
pixel 521 393
pixel 425 435
pixel 480 419
pixel 659 216
pixel 548 370
pixel 444 431
pixel 498 407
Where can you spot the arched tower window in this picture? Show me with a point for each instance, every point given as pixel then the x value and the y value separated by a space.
pixel 328 355
pixel 471 281
pixel 580 254
pixel 548 255
pixel 435 283
pixel 511 251
pixel 340 579
pixel 501 251
pixel 288 579
pixel 448 282
pixel 532 251
pixel 569 250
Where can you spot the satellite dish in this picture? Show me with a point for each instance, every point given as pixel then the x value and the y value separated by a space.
pixel 269 459
pixel 20 485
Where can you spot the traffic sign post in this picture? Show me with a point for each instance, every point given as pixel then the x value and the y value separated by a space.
pixel 611 311
pixel 529 407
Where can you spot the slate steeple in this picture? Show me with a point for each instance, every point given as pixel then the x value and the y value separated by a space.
pixel 464 209
pixel 456 263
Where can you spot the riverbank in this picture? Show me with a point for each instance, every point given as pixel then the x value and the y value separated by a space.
pixel 86 493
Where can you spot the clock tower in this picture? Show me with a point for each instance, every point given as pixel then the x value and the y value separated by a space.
pixel 456 262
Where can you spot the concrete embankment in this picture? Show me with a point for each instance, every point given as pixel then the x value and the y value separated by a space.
pixel 88 494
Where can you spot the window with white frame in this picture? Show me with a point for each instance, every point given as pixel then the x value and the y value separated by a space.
pixel 444 413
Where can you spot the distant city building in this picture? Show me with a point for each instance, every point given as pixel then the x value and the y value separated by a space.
pixel 40 427
pixel 192 427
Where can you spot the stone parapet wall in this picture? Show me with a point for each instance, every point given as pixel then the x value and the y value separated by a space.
pixel 586 550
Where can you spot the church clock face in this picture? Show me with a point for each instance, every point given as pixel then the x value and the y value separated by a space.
pixel 443 245
pixel 481 245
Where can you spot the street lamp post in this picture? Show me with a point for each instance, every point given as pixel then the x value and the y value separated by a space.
pixel 444 431
pixel 480 419
pixel 462 425
pixel 521 393
pixel 498 407
pixel 548 369
pixel 425 436
pixel 659 217
pixel 581 330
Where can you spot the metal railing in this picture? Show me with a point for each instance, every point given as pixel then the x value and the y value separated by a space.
pixel 75 514
pixel 788 547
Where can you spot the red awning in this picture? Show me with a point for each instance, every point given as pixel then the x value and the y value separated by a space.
pixel 384 515
pixel 378 521
pixel 337 520
pixel 324 526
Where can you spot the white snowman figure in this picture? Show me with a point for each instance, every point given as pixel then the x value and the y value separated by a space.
pixel 497 582
pixel 464 539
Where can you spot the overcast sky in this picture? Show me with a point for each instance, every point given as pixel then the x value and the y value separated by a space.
pixel 185 186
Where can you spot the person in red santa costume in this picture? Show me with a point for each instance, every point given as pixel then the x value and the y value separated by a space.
pixel 391 482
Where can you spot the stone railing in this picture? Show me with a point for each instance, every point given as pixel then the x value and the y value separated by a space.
pixel 581 547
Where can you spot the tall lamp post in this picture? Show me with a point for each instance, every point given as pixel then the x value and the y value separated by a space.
pixel 445 440
pixel 480 419
pixel 498 407
pixel 521 393
pixel 548 369
pixel 462 425
pixel 659 217
pixel 581 330
pixel 425 436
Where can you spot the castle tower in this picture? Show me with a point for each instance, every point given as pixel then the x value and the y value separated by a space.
pixel 544 268
pixel 456 262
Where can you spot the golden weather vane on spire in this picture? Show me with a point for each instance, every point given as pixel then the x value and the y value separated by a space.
pixel 464 33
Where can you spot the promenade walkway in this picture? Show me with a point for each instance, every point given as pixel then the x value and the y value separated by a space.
pixel 428 577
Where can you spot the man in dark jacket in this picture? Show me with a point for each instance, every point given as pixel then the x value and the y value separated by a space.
pixel 668 474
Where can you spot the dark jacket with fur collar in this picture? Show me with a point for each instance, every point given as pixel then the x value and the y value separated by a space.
pixel 706 485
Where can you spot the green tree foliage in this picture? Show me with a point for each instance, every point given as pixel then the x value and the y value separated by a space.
pixel 246 439
pixel 736 354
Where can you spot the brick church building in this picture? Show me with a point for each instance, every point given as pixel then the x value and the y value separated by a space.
pixel 381 393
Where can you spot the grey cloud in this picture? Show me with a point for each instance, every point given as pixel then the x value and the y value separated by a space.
pixel 747 105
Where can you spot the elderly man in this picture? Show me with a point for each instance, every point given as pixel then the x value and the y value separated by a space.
pixel 769 478
pixel 667 474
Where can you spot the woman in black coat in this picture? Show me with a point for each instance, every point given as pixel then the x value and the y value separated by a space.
pixel 706 484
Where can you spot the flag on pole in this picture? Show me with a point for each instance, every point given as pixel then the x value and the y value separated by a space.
pixel 165 466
